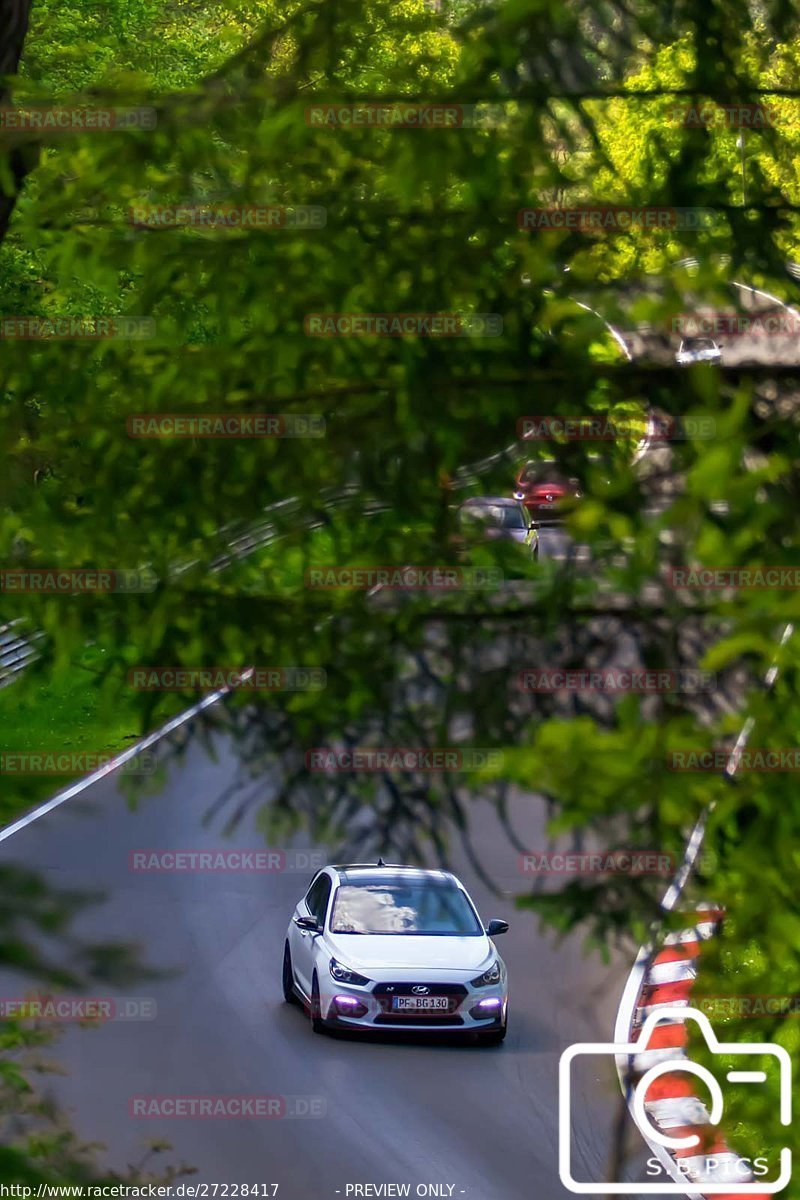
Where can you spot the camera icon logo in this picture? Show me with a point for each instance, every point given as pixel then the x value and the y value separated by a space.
pixel 671 1062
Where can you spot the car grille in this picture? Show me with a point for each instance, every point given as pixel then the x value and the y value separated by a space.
pixel 426 1019
pixel 384 992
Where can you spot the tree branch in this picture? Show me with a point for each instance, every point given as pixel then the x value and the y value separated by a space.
pixel 14 16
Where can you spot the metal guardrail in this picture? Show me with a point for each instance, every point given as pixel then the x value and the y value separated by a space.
pixel 16 650
pixel 792 268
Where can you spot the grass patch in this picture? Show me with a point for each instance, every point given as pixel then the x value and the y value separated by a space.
pixel 69 712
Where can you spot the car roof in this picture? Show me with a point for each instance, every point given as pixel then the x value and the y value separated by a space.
pixel 357 872
pixel 504 500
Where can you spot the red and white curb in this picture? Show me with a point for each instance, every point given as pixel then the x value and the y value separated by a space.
pixel 664 982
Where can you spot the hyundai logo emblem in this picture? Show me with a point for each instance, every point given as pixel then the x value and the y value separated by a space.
pixel 419 990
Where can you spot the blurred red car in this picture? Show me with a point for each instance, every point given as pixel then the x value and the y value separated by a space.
pixel 542 490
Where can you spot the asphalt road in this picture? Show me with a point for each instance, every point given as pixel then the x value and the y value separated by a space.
pixel 479 1120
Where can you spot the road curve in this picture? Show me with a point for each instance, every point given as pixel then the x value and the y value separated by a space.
pixel 481 1121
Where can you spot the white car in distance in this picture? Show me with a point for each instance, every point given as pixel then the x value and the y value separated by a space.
pixel 377 947
pixel 697 350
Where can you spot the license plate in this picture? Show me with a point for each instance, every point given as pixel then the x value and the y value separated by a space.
pixel 420 1003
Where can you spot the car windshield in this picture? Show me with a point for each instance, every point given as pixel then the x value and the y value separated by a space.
pixel 542 475
pixel 699 344
pixel 417 908
pixel 504 516
pixel 512 517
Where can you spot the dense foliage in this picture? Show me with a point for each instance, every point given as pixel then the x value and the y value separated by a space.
pixel 424 220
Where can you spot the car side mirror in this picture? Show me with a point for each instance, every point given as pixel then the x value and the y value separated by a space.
pixel 495 926
pixel 309 923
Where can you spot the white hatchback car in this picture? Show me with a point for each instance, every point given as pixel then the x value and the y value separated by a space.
pixel 392 947
pixel 697 350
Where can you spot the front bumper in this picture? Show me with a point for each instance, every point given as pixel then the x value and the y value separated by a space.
pixel 469 1009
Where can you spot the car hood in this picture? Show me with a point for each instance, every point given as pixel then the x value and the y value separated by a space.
pixel 504 534
pixel 375 951
pixel 690 356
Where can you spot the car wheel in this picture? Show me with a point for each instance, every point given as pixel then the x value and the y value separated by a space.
pixel 287 977
pixel 317 1024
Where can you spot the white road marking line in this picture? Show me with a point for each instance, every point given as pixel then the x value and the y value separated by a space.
pixel 115 763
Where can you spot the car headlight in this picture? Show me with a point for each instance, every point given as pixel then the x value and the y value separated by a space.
pixel 342 975
pixel 493 975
